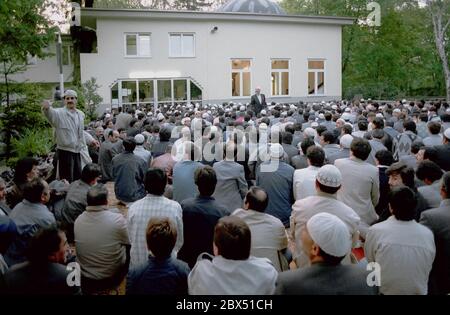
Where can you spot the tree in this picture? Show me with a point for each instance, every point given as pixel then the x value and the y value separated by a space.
pixel 91 98
pixel 24 32
pixel 440 17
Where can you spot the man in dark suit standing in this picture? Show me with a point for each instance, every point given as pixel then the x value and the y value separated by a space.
pixel 258 101
pixel 438 221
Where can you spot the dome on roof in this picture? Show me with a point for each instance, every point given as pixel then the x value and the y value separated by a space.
pixel 252 6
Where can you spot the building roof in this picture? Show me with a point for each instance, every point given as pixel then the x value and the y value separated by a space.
pixel 87 14
pixel 252 6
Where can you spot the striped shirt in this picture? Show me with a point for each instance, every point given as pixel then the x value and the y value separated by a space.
pixel 140 213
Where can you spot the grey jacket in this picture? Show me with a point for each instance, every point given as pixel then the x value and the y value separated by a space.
pixel 231 185
pixel 438 221
pixel 68 128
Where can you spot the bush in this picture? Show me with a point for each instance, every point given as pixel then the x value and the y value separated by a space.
pixel 36 143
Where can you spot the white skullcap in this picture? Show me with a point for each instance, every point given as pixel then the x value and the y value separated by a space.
pixel 348 110
pixel 107 115
pixel 330 176
pixel 404 101
pixel 160 116
pixel 334 107
pixel 379 115
pixel 242 108
pixel 71 93
pixel 346 141
pixel 205 115
pixel 447 133
pixel 310 132
pixel 321 116
pixel 263 112
pixel 315 124
pixel 330 234
pixel 276 151
pixel 292 106
pixel 139 139
pixel 397 110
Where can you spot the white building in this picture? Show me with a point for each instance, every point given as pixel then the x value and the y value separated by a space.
pixel 147 56
pixel 143 57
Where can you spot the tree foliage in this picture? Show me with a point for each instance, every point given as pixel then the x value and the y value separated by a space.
pixel 91 98
pixel 397 59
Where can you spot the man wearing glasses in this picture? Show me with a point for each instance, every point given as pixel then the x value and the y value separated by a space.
pixel 69 125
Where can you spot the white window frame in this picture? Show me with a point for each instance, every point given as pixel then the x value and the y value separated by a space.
pixel 137 34
pixel 181 34
pixel 316 77
pixel 280 71
pixel 241 81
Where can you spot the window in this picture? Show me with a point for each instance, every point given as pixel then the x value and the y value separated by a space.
pixel 181 45
pixel 316 77
pixel 164 91
pixel 115 95
pixel 137 45
pixel 240 77
pixel 280 77
pixel 67 53
pixel 129 92
pixel 196 92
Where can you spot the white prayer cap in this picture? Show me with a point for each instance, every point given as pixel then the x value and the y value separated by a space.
pixel 404 101
pixel 107 115
pixel 205 115
pixel 262 126
pixel 346 141
pixel 310 132
pixel 321 116
pixel 292 106
pixel 334 107
pixel 160 116
pixel 330 176
pixel 348 110
pixel 397 110
pixel 330 234
pixel 139 139
pixel 263 112
pixel 379 115
pixel 315 124
pixel 242 108
pixel 71 93
pixel 276 151
pixel 447 133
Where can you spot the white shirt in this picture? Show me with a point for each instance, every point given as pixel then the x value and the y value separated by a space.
pixel 304 209
pixel 253 276
pixel 259 98
pixel 405 251
pixel 305 182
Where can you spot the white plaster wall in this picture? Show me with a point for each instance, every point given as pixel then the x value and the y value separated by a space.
pixel 211 66
pixel 45 70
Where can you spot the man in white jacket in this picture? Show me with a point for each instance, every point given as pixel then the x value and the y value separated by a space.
pixel 232 271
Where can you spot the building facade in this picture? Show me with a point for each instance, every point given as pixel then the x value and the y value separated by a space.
pixel 147 57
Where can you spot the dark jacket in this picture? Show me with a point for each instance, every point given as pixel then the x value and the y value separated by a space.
pixel 167 276
pixel 200 215
pixel 323 279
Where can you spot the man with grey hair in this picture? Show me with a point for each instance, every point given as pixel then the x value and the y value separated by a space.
pixel 69 125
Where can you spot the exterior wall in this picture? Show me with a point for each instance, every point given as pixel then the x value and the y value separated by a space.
pixel 211 67
pixel 45 70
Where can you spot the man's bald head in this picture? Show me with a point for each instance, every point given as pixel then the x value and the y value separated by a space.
pixel 256 199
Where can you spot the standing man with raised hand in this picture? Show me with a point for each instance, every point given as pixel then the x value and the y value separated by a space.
pixel 258 101
pixel 69 125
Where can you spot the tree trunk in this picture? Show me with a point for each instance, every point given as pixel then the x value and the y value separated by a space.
pixel 439 38
pixel 7 130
